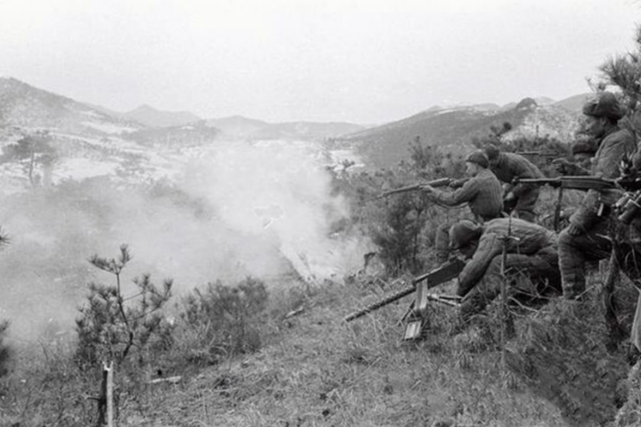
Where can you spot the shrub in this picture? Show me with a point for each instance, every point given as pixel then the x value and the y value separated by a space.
pixel 401 226
pixel 5 351
pixel 110 327
pixel 224 320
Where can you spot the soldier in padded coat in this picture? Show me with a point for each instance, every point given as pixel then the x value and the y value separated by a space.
pixel 531 262
pixel 587 238
pixel 507 167
pixel 482 192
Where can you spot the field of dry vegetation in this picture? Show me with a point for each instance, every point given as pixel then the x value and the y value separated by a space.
pixel 243 354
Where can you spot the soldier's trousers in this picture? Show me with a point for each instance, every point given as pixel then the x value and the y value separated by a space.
pixel 595 245
pixel 524 208
pixel 576 251
pixel 529 277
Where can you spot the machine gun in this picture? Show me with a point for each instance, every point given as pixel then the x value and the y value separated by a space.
pixel 585 182
pixel 441 182
pixel 419 286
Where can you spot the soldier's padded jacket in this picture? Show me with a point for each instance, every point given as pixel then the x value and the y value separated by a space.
pixel 483 193
pixel 527 238
pixel 616 144
pixel 510 166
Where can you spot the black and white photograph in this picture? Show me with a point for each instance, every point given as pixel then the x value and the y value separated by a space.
pixel 320 213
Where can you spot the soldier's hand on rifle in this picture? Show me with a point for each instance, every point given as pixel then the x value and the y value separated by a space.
pixel 428 189
pixel 457 183
pixel 509 197
pixel 562 165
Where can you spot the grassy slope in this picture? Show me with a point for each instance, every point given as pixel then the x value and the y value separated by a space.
pixel 319 371
pixel 316 370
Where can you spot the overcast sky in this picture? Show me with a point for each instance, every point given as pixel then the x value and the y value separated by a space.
pixel 363 61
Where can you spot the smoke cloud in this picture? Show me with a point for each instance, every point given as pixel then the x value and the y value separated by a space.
pixel 229 211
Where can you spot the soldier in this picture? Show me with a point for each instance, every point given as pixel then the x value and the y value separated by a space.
pixel 587 236
pixel 583 152
pixel 530 253
pixel 482 193
pixel 507 167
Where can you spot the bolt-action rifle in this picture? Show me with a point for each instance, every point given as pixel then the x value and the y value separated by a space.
pixel 438 276
pixel 441 182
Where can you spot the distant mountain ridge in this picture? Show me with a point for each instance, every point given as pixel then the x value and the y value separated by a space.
pixel 25 106
pixel 237 126
pixel 246 128
pixel 80 125
pixel 453 128
pixel 152 117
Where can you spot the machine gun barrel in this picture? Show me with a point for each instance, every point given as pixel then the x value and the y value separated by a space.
pixel 585 182
pixel 442 274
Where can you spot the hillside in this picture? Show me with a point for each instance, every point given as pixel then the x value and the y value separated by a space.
pixel 573 103
pixel 193 134
pixel 152 117
pixel 454 128
pixel 252 129
pixel 237 126
pixel 209 213
pixel 314 369
pixel 305 130
pixel 27 107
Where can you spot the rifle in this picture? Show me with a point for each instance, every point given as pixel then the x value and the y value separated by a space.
pixel 441 182
pixel 584 182
pixel 440 275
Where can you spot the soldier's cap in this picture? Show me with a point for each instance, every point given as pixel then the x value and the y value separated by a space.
pixel 492 152
pixel 479 157
pixel 588 146
pixel 604 104
pixel 464 232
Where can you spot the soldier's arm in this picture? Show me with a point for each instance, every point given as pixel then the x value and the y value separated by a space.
pixel 636 159
pixel 519 189
pixel 612 153
pixel 459 196
pixel 575 170
pixel 490 246
pixel 565 167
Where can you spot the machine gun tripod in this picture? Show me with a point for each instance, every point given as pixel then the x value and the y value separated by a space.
pixel 415 316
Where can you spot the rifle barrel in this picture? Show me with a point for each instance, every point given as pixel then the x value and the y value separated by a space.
pixel 441 182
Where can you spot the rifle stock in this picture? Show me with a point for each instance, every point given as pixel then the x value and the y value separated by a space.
pixel 440 275
pixel 441 182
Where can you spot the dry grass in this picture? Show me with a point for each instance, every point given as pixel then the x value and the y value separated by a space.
pixel 316 370
pixel 321 372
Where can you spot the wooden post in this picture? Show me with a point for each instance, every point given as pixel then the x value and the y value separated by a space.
pixel 557 210
pixel 110 393
pixel 507 326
